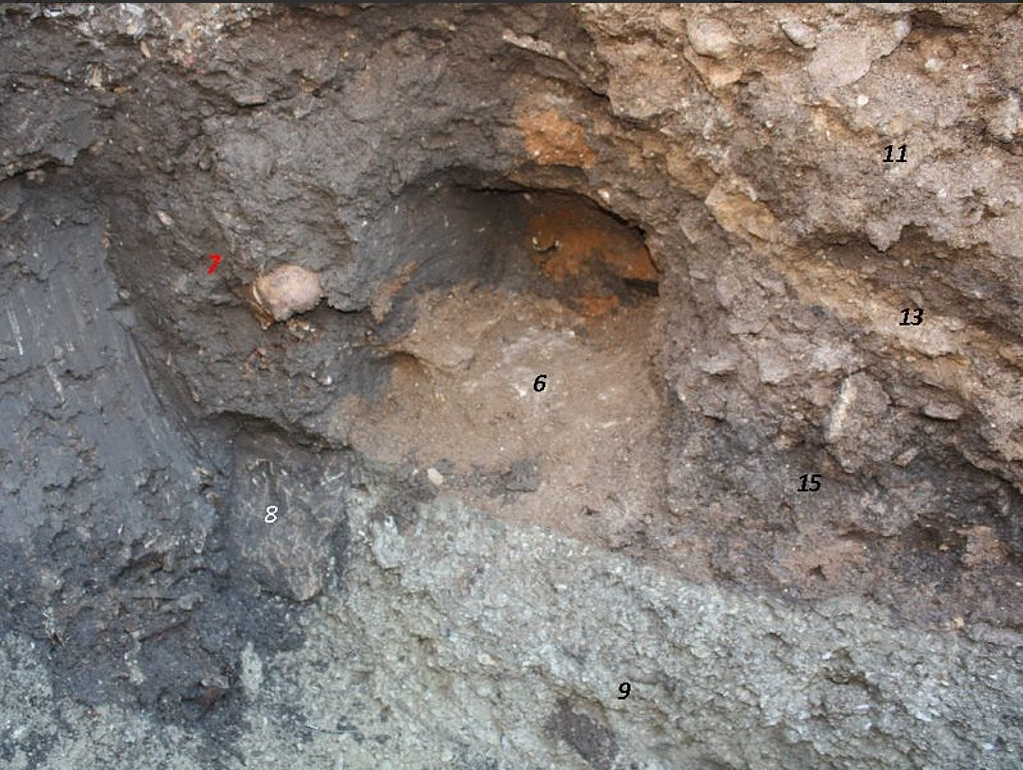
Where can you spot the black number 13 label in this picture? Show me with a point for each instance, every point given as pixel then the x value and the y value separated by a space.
pixel 917 316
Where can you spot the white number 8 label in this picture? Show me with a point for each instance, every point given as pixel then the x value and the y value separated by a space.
pixel 271 514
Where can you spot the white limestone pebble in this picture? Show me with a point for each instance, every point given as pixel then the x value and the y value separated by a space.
pixel 800 33
pixel 710 37
pixel 288 290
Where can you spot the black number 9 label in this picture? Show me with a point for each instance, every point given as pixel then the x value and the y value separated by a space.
pixel 624 688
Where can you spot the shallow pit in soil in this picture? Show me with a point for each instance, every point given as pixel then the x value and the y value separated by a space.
pixel 519 344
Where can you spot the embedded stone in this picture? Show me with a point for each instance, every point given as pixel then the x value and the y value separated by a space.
pixel 712 38
pixel 288 290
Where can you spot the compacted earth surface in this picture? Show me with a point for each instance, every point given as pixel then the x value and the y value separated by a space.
pixel 511 386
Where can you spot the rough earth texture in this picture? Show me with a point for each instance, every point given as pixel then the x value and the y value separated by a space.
pixel 550 347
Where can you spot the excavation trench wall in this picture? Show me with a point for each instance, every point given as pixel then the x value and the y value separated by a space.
pixel 547 348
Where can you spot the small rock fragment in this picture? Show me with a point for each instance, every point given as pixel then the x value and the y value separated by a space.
pixel 857 430
pixel 842 57
pixel 288 290
pixel 251 674
pixel 860 402
pixel 774 363
pixel 435 476
pixel 1011 353
pixel 901 28
pixel 799 33
pixel 189 601
pixel 982 545
pixel 710 37
pixel 1005 124
pixel 905 458
pixel 387 544
pixel 720 363
pixel 939 411
pixel 248 96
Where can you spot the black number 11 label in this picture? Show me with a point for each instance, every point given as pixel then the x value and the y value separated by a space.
pixel 888 154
